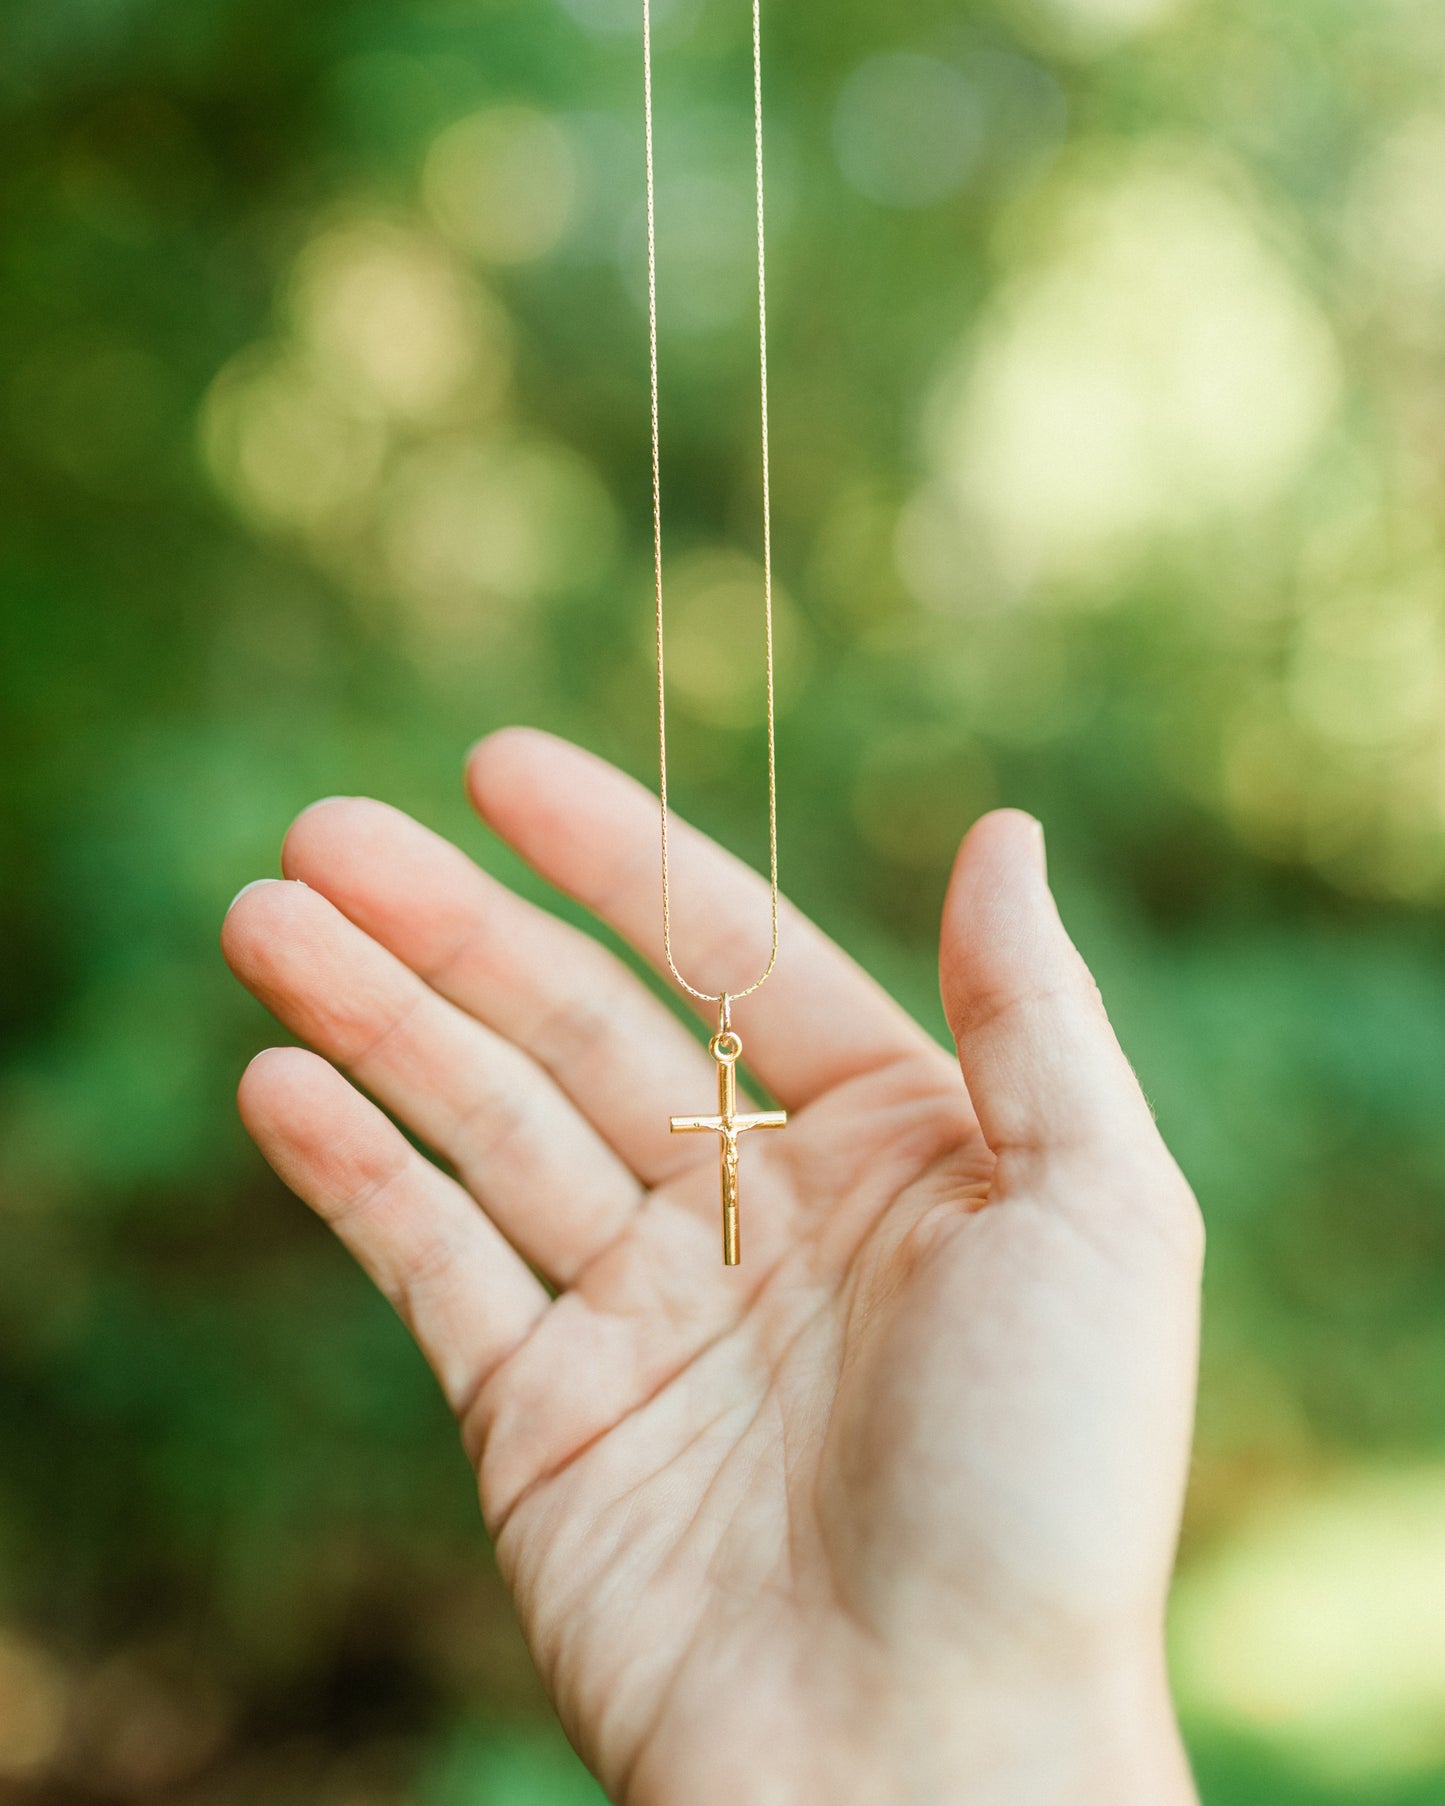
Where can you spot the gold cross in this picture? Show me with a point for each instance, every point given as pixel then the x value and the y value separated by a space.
pixel 725 1047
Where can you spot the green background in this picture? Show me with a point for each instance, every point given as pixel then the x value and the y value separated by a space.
pixel 1108 349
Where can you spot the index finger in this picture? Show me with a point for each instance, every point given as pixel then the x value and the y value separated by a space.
pixel 593 832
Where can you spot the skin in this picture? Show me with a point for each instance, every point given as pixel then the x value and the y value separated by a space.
pixel 886 1513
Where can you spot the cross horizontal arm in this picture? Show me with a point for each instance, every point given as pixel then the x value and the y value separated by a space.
pixel 724 1125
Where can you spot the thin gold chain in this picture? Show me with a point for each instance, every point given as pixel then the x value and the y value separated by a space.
pixel 720 997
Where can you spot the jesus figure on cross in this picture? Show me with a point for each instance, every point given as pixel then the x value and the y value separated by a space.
pixel 725 1047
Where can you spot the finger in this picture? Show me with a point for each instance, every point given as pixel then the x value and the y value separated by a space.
pixel 593 833
pixel 1040 1060
pixel 616 1050
pixel 463 1293
pixel 549 1181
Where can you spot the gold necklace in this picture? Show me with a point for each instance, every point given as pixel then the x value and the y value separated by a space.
pixel 725 1046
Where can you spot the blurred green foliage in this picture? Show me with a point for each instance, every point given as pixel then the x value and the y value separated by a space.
pixel 1108 341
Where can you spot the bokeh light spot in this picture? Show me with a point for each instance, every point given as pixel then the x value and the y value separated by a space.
pixel 501 183
pixel 1322 1626
pixel 472 529
pixel 1092 26
pixel 714 602
pixel 285 445
pixel 1394 219
pixel 907 129
pixel 384 310
pixel 32 1708
pixel 1158 368
pixel 1369 668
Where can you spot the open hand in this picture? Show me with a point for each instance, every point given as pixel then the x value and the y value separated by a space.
pixel 886 1514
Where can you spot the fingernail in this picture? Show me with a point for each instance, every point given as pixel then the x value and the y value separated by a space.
pixel 253 885
pixel 1041 849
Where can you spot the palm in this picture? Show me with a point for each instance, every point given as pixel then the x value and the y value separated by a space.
pixel 718 1494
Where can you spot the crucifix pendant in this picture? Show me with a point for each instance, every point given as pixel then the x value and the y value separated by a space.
pixel 727 1125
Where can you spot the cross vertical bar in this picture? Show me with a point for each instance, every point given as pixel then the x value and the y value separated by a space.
pixel 727 1106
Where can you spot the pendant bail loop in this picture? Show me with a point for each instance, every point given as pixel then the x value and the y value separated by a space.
pixel 726 1046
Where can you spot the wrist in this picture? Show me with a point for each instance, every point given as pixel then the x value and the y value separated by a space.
pixel 941 1732
pixel 1102 1734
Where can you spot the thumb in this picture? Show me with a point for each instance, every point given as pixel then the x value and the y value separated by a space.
pixel 1042 1066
